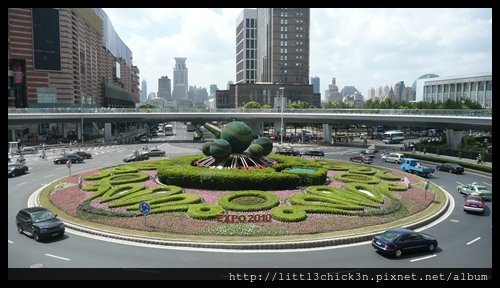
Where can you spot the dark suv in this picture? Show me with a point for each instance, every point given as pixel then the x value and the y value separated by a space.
pixel 39 223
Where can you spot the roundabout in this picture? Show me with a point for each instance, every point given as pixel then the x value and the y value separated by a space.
pixel 293 203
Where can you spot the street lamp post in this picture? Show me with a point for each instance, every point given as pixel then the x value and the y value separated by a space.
pixel 81 107
pixel 282 91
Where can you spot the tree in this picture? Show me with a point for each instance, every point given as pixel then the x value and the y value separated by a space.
pixel 146 106
pixel 252 105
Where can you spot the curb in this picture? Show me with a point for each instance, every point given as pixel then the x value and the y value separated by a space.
pixel 33 201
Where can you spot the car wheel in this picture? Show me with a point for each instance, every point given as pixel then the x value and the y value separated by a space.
pixel 36 236
pixel 398 253
pixel 432 247
pixel 19 228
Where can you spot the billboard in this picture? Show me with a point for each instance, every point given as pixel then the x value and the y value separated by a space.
pixel 46 39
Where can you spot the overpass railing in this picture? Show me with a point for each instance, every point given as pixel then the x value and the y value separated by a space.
pixel 436 112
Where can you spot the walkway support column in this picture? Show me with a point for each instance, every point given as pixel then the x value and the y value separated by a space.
pixel 453 137
pixel 327 133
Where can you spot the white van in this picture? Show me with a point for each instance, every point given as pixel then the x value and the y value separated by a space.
pixel 393 157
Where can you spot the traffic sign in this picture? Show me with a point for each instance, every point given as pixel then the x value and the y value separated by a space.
pixel 68 164
pixel 145 208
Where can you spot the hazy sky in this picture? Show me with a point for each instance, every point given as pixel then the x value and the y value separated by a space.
pixel 359 47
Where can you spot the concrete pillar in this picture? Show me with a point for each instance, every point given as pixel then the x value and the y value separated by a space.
pixel 79 129
pixel 327 133
pixel 277 128
pixel 256 127
pixel 453 137
pixel 108 135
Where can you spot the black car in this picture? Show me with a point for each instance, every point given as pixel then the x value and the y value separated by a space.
pixel 17 169
pixel 83 154
pixel 450 167
pixel 70 157
pixel 313 153
pixel 395 241
pixel 39 223
pixel 287 151
pixel 136 157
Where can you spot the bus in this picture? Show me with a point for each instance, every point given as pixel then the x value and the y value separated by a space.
pixel 168 129
pixel 393 137
pixel 190 127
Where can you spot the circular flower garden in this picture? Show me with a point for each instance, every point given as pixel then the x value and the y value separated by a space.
pixel 294 196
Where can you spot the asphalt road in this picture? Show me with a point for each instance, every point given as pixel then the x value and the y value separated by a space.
pixel 465 241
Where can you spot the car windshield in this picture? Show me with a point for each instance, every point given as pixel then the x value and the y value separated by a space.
pixel 474 198
pixel 42 216
pixel 390 235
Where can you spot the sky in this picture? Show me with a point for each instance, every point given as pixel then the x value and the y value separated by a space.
pixel 359 47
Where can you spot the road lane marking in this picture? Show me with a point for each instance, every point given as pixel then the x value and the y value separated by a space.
pixel 22 183
pixel 487 184
pixel 58 257
pixel 423 258
pixel 454 220
pixel 10 242
pixel 50 175
pixel 478 238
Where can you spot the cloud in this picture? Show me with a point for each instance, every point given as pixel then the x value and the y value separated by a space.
pixel 361 47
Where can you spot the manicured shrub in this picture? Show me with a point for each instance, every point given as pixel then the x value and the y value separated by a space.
pixel 375 193
pixel 220 149
pixel 204 211
pixel 288 213
pixel 121 191
pixel 256 151
pixel 128 178
pixel 356 178
pixel 100 188
pixel 270 200
pixel 363 170
pixel 385 175
pixel 205 148
pixel 239 136
pixel 98 176
pixel 146 195
pixel 266 144
pixel 343 195
pixel 123 169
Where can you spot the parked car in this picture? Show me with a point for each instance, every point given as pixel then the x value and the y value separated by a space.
pixel 39 223
pixel 17 169
pixel 397 241
pixel 70 157
pixel 474 203
pixel 83 154
pixel 136 157
pixel 313 153
pixel 450 167
pixel 361 159
pixel 475 188
pixel 156 152
pixel 393 157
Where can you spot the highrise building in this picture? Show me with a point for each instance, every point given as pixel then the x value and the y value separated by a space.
pixel 164 88
pixel 283 45
pixel 180 80
pixel 246 46
pixel 213 88
pixel 332 94
pixel 398 91
pixel 315 83
pixel 144 91
pixel 68 57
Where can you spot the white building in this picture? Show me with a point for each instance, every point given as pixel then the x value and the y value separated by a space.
pixel 475 87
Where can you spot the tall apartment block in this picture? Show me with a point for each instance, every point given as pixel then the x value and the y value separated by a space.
pixel 68 57
pixel 164 88
pixel 283 45
pixel 180 79
pixel 246 46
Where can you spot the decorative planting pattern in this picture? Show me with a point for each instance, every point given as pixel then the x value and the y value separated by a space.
pixel 227 201
pixel 204 211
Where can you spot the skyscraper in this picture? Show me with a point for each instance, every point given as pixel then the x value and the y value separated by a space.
pixel 283 45
pixel 144 91
pixel 180 79
pixel 315 83
pixel 246 46
pixel 164 88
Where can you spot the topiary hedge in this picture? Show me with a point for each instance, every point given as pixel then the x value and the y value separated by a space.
pixel 123 169
pixel 128 178
pixel 270 200
pixel 204 211
pixel 288 213
pixel 98 176
pixel 356 178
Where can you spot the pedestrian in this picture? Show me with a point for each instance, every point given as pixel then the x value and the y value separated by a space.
pixel 479 159
pixel 406 182
pixel 425 150
pixel 80 182
pixel 413 150
pixel 426 188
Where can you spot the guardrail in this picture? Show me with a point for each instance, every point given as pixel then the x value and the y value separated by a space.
pixel 437 112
